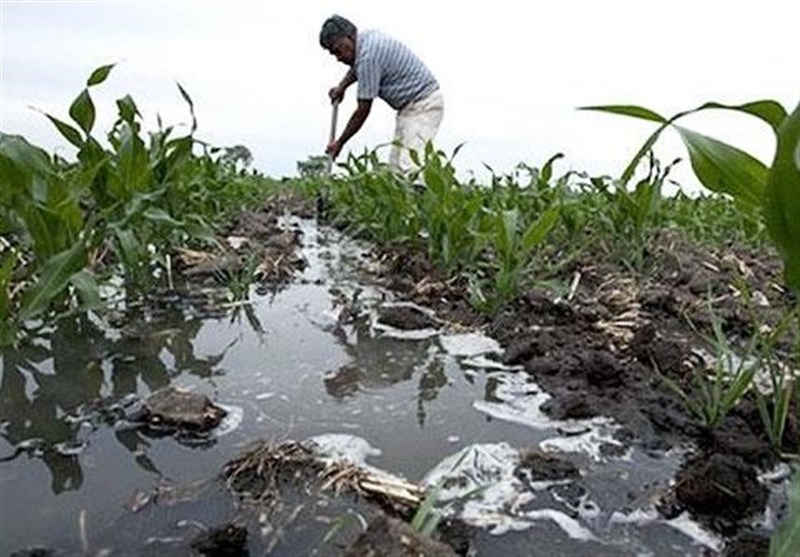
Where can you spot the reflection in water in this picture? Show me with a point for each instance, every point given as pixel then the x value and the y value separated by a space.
pixel 36 397
pixel 430 384
pixel 54 384
pixel 380 361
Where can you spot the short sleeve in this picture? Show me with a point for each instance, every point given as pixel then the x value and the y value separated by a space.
pixel 368 72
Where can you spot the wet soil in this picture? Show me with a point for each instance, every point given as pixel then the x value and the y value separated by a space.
pixel 254 245
pixel 172 409
pixel 605 349
pixel 535 466
pixel 389 537
pixel 228 540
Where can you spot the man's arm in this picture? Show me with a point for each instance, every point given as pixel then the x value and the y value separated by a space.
pixel 337 93
pixel 353 125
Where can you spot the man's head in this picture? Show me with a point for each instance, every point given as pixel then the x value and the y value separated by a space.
pixel 338 36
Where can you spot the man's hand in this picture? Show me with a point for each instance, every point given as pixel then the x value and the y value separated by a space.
pixel 334 148
pixel 336 94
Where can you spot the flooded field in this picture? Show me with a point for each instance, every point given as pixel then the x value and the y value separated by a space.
pixel 317 362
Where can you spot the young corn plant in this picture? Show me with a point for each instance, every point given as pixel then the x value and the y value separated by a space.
pixel 451 213
pixel 376 202
pixel 714 395
pixel 713 219
pixel 773 406
pixel 427 518
pixel 512 245
pixel 634 216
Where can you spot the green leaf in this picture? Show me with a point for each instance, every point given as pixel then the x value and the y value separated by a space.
pixel 7 263
pixel 99 75
pixel 54 279
pixel 82 111
pixel 188 100
pixel 723 168
pixel 547 169
pixel 128 247
pixel 426 508
pixel 507 231
pixel 70 134
pixel 782 203
pixel 127 109
pixel 413 155
pixel 161 216
pixel 787 538
pixel 539 229
pixel 769 111
pixel 20 162
pixel 628 110
pixel 86 285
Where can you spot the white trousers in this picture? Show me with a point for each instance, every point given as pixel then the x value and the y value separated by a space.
pixel 416 124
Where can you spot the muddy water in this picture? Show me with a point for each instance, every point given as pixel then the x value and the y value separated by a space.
pixel 306 361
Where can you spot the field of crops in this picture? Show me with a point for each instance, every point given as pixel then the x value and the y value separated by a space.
pixel 676 315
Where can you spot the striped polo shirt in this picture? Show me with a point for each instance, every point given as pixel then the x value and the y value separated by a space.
pixel 386 68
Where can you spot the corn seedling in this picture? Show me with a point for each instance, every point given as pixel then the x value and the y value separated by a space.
pixel 513 245
pixel 774 409
pixel 426 519
pixel 714 395
pixel 451 213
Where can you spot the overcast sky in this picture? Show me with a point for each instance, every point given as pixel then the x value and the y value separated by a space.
pixel 512 72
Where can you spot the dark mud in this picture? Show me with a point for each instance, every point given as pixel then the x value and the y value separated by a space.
pixel 228 540
pixel 173 410
pixel 389 537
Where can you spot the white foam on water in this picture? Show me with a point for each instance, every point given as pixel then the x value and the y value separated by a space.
pixel 522 401
pixel 590 442
pixel 637 516
pixel 344 447
pixel 414 334
pixel 231 421
pixel 684 524
pixel 482 362
pixel 479 485
pixel 469 345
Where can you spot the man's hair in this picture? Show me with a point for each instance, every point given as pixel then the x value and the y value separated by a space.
pixel 335 27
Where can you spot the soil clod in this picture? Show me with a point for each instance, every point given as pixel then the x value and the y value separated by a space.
pixel 389 537
pixel 721 486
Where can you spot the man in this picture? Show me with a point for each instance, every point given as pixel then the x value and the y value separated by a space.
pixel 384 68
